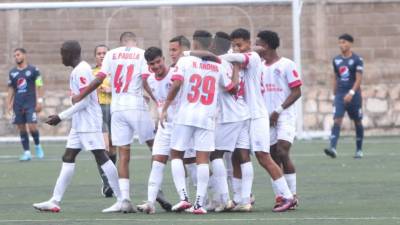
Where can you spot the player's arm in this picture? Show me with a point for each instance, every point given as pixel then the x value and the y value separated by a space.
pixel 203 54
pixel 68 113
pixel 357 82
pixel 173 92
pixel 90 88
pixel 10 99
pixel 39 93
pixel 235 79
pixel 147 88
pixel 236 58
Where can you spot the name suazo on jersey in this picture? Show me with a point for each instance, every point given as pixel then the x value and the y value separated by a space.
pixel 232 108
pixel 202 81
pixel 278 78
pixel 127 67
pixel 86 114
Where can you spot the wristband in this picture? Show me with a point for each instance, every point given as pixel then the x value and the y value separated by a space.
pixel 186 53
pixel 40 100
pixel 279 109
pixel 352 92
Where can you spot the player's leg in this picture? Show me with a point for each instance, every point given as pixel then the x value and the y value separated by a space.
pixel 180 139
pixel 354 111
pixel 338 114
pixel 190 165
pixel 20 121
pixel 31 119
pixel 236 177
pixel 289 170
pixel 259 133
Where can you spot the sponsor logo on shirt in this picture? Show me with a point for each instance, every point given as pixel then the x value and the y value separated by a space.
pixel 344 73
pixel 21 85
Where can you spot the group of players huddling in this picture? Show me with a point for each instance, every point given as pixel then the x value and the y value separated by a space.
pixel 221 101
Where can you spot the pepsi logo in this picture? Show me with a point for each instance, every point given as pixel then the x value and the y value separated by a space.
pixel 343 71
pixel 21 83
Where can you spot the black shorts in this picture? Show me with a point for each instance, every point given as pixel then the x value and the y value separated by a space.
pixel 353 109
pixel 24 115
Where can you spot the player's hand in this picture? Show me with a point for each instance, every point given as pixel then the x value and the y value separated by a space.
pixel 347 99
pixel 273 119
pixel 53 120
pixel 163 118
pixel 38 107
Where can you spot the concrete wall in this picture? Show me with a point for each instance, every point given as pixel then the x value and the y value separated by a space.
pixel 374 24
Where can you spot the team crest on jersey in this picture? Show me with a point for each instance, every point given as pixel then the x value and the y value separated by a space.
pixel 338 61
pixel 351 62
pixel 295 74
pixel 168 86
pixel 277 72
pixel 28 73
pixel 83 80
pixel 14 74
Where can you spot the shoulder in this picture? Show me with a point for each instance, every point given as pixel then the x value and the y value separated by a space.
pixel 357 57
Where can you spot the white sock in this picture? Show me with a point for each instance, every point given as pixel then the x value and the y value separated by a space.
pixel 247 181
pixel 203 175
pixel 212 189
pixel 111 173
pixel 237 189
pixel 274 188
pixel 283 188
pixel 221 182
pixel 191 169
pixel 63 180
pixel 229 167
pixel 124 186
pixel 291 181
pixel 155 180
pixel 178 175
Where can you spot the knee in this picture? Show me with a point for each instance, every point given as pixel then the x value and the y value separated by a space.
pixel 100 156
pixel 216 155
pixel 358 123
pixel 337 121
pixel 68 158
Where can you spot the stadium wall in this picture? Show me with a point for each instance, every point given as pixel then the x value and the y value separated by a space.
pixel 375 24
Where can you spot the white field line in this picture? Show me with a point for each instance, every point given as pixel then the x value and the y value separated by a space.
pixel 213 220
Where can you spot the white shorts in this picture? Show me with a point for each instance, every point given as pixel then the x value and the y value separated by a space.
pixel 259 133
pixel 85 140
pixel 229 136
pixel 124 124
pixel 184 136
pixel 285 130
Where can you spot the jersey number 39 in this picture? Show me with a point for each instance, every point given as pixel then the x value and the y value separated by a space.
pixel 207 86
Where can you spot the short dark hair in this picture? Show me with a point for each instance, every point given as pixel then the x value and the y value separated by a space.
pixel 347 37
pixel 222 42
pixel 240 33
pixel 203 37
pixel 99 46
pixel 127 36
pixel 22 50
pixel 151 53
pixel 182 40
pixel 73 47
pixel 271 38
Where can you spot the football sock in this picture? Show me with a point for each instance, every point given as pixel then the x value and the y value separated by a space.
pixel 237 189
pixel 334 135
pixel 274 188
pixel 63 180
pixel 229 167
pixel 111 174
pixel 113 158
pixel 191 169
pixel 102 175
pixel 203 175
pixel 359 136
pixel 283 188
pixel 291 182
pixel 178 175
pixel 247 181
pixel 155 180
pixel 124 186
pixel 220 180
pixel 35 136
pixel 24 140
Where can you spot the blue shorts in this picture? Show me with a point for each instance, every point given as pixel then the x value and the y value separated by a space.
pixel 353 109
pixel 24 115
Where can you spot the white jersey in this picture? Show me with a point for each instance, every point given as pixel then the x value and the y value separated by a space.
pixel 232 108
pixel 160 89
pixel 251 75
pixel 202 82
pixel 87 117
pixel 126 67
pixel 278 78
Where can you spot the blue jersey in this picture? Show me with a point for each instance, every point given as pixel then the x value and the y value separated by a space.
pixel 23 83
pixel 345 71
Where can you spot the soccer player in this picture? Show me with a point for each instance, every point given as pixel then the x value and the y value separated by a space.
pixel 85 131
pixel 25 99
pixel 127 68
pixel 200 81
pixel 259 124
pixel 104 95
pixel 282 88
pixel 348 68
pixel 232 133
pixel 177 46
